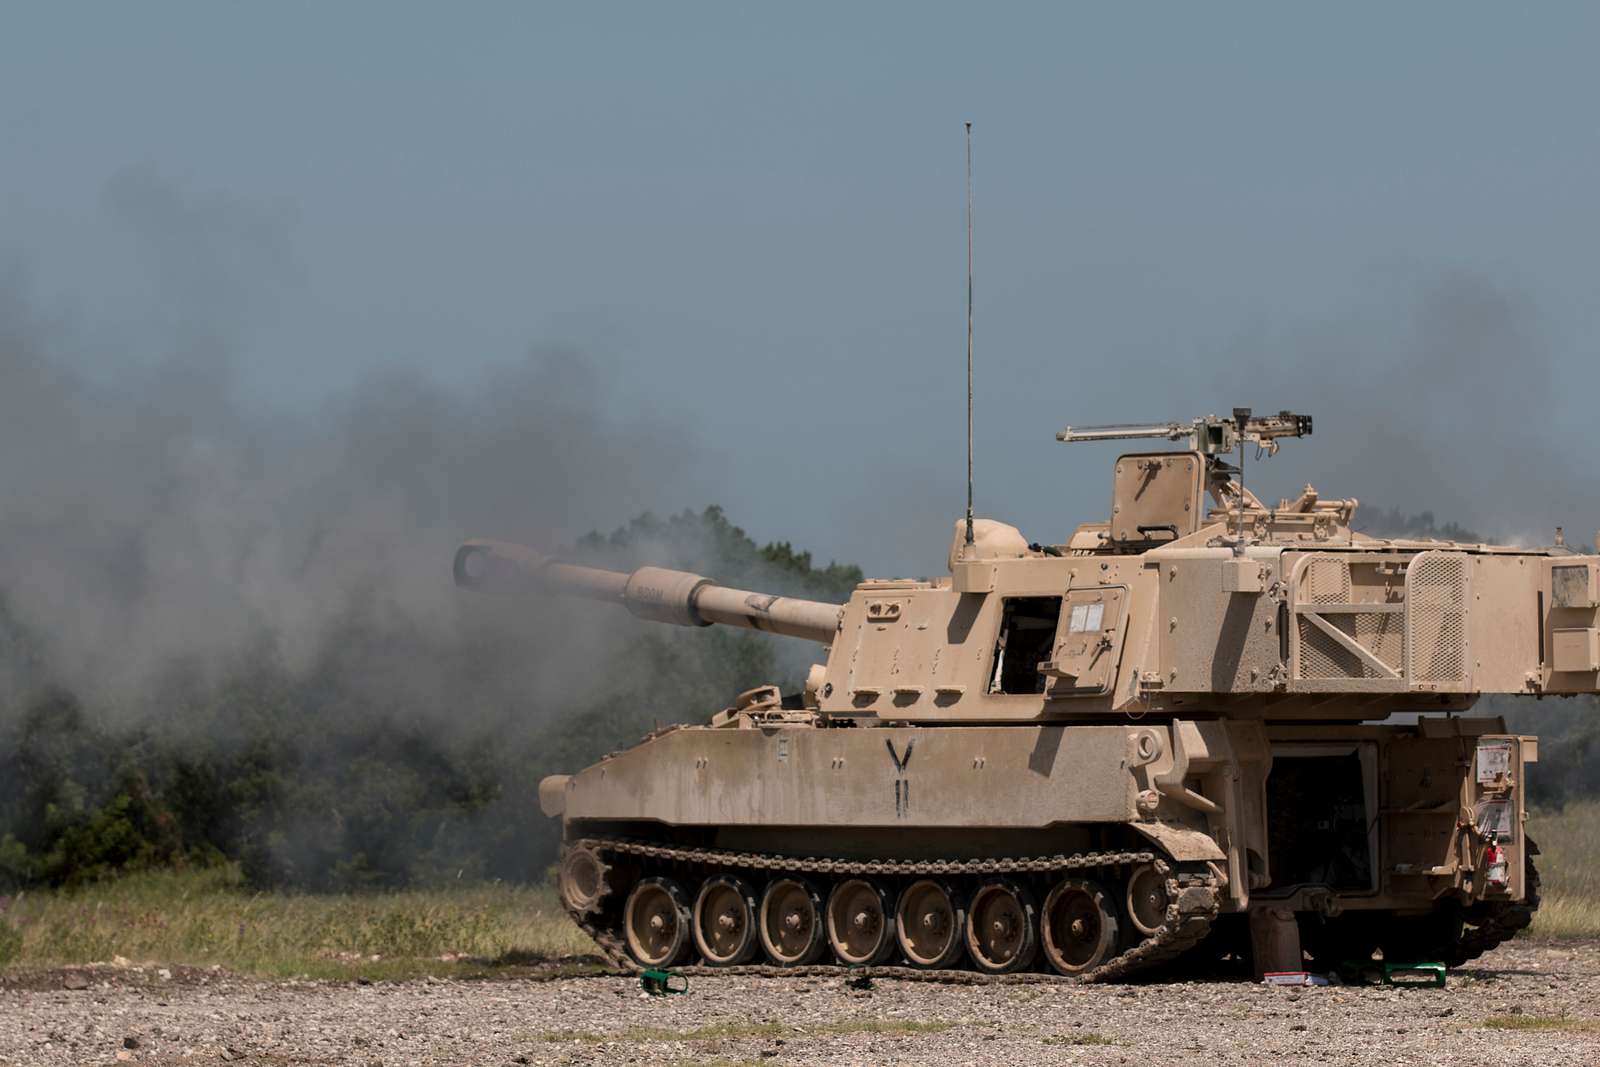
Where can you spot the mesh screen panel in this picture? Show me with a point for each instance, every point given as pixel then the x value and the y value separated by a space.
pixel 1326 581
pixel 1323 657
pixel 1436 618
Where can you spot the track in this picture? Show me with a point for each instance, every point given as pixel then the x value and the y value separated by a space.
pixel 1491 924
pixel 1192 893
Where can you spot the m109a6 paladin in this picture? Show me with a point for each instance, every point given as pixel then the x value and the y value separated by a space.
pixel 1161 739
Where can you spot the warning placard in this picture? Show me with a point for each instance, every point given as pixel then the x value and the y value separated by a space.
pixel 1494 761
pixel 1086 618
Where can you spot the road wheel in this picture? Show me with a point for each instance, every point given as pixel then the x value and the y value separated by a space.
pixel 1080 926
pixel 583 879
pixel 1147 899
pixel 860 923
pixel 725 921
pixel 929 924
pixel 1002 927
pixel 790 922
pixel 656 922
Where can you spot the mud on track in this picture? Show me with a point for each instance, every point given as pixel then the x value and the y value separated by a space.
pixel 1541 1003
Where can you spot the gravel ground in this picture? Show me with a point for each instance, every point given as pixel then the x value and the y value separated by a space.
pixel 106 1015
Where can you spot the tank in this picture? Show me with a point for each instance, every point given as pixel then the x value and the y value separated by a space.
pixel 1204 730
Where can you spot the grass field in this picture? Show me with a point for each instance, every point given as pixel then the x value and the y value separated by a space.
pixel 1569 866
pixel 201 918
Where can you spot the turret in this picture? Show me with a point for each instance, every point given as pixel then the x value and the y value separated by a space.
pixel 653 593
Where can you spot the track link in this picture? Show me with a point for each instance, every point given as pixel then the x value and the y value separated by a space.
pixel 1194 899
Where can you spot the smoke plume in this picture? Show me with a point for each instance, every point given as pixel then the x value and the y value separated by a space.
pixel 249 615
pixel 156 521
pixel 1447 401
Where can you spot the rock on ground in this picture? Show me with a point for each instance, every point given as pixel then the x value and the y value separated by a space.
pixel 1550 993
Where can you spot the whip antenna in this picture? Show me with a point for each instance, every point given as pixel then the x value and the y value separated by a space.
pixel 969 333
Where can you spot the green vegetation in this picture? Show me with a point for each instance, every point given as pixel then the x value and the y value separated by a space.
pixel 1564 1023
pixel 10 942
pixel 1088 1037
pixel 200 918
pixel 724 1031
pixel 1569 839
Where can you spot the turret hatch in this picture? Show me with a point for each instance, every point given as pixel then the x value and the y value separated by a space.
pixel 1157 497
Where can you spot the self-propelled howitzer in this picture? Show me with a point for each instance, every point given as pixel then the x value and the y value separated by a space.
pixel 1164 736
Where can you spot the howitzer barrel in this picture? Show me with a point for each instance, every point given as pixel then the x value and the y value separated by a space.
pixel 653 593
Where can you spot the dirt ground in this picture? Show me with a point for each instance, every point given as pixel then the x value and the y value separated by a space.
pixel 1525 1004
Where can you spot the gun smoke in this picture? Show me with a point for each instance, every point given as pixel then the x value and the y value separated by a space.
pixel 266 599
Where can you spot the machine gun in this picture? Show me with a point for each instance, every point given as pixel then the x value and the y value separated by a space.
pixel 1210 436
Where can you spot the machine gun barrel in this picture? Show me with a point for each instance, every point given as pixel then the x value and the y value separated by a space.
pixel 654 593
pixel 1172 431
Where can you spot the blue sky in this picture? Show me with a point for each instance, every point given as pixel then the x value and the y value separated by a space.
pixel 749 219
